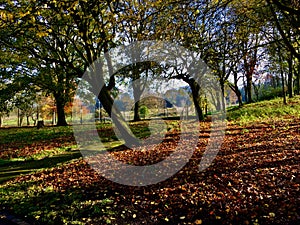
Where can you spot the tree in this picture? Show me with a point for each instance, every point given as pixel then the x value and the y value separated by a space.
pixel 251 38
pixel 139 78
pixel 5 107
pixel 5 96
pixel 136 22
pixel 297 80
pixel 48 109
pixel 192 25
pixel 277 63
pixel 286 16
pixel 24 101
pixel 32 34
pixel 62 39
pixel 223 60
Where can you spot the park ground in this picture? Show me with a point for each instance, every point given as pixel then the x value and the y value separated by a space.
pixel 253 180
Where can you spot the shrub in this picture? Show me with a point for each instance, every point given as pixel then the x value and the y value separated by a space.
pixel 144 111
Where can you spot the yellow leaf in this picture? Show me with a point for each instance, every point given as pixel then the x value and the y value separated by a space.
pixel 41 34
pixel 198 222
pixel 271 214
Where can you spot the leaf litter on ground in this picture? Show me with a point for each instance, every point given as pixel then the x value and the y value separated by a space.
pixel 253 180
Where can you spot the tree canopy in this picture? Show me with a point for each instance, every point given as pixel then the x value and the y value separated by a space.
pixel 48 45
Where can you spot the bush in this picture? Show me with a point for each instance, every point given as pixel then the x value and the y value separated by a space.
pixel 270 93
pixel 144 111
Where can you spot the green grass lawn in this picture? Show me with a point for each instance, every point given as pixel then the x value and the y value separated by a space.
pixel 13 168
pixel 28 135
pixel 266 111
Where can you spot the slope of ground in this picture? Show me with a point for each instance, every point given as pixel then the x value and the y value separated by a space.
pixel 253 180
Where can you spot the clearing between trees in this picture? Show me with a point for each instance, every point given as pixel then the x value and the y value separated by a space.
pixel 253 180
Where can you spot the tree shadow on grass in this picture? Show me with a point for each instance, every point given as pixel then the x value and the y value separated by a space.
pixel 10 169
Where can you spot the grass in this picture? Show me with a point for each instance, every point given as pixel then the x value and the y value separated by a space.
pixel 28 135
pixel 49 206
pixel 24 196
pixel 267 111
pixel 21 137
pixel 13 168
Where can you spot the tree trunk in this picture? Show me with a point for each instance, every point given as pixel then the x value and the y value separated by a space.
pixel 249 88
pixel 297 83
pixel 18 115
pixel 123 130
pixel 28 122
pixel 283 88
pixel 282 79
pixel 196 98
pixel 256 90
pixel 61 116
pixel 137 90
pixel 136 95
pixel 235 88
pixel 250 60
pixel 122 127
pixel 245 88
pixel 239 97
pixel 223 96
pixel 136 111
pixel 213 99
pixel 290 77
pixel 21 120
pixel 37 115
pixel 218 105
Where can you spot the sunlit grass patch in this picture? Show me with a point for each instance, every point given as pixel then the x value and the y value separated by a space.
pixel 267 111
pixel 12 168
pixel 29 135
pixel 47 205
